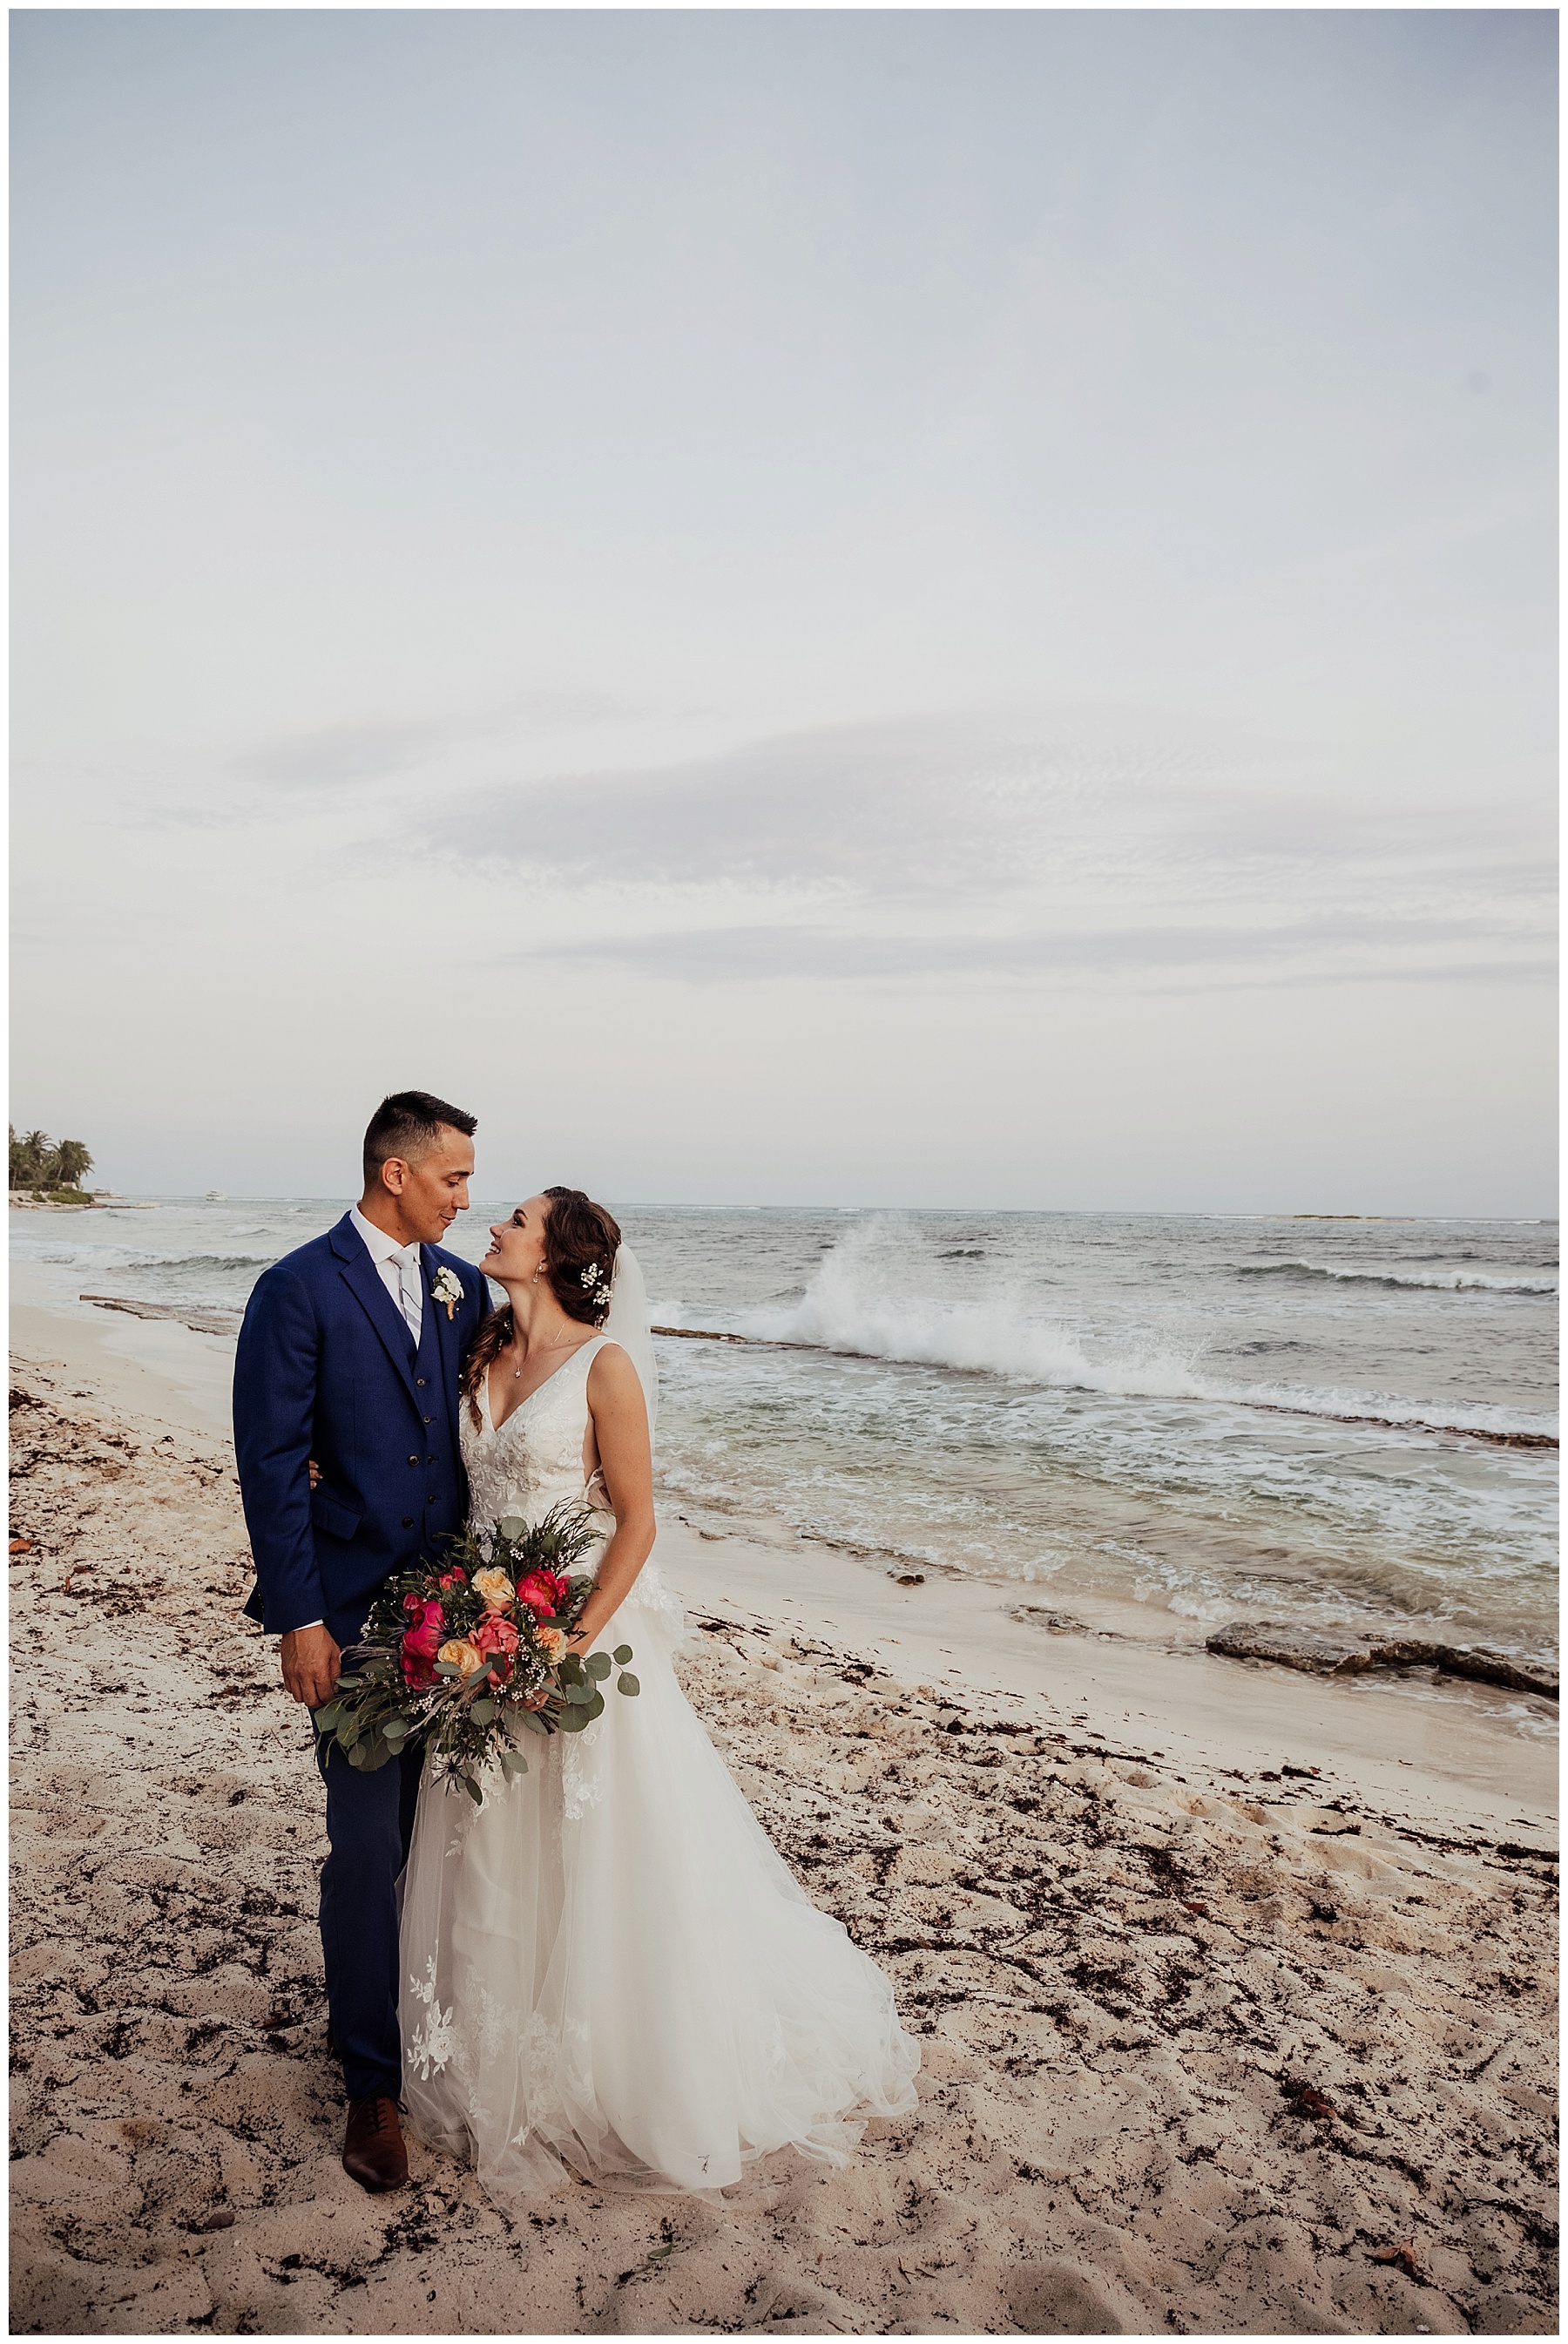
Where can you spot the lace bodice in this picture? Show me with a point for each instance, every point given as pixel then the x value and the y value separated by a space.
pixel 536 1459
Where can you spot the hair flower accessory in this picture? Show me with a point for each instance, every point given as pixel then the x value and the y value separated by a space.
pixel 447 1288
pixel 597 1279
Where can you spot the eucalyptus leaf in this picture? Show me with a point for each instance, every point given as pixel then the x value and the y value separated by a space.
pixel 512 1527
pixel 627 1684
pixel 473 1790
pixel 447 1669
pixel 396 1729
pixel 572 1721
pixel 622 1654
pixel 579 1695
pixel 327 1716
pixel 532 1720
pixel 484 1712
pixel 513 1763
pixel 597 1665
pixel 596 1706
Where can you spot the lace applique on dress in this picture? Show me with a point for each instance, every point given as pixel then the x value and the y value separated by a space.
pixel 433 2042
pixel 582 1783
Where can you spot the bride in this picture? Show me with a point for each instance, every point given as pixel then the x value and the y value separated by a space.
pixel 606 1968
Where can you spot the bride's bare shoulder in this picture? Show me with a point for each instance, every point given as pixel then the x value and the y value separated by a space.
pixel 611 1377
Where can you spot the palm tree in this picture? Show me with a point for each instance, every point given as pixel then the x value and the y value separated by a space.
pixel 72 1158
pixel 30 1154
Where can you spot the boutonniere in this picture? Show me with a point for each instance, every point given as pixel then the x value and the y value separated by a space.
pixel 447 1288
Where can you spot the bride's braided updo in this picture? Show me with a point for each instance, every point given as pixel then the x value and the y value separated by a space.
pixel 581 1240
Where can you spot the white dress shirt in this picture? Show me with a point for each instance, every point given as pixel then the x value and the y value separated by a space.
pixel 398 1267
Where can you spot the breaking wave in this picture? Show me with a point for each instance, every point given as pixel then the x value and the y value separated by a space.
pixel 1441 1281
pixel 846 1309
pixel 123 1257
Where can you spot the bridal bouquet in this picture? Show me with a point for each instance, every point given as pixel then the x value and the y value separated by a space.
pixel 470 1654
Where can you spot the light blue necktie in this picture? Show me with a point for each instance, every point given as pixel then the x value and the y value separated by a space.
pixel 409 1290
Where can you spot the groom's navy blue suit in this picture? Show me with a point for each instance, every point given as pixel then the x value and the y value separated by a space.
pixel 327 1367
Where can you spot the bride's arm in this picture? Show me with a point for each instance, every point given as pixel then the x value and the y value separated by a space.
pixel 621 1433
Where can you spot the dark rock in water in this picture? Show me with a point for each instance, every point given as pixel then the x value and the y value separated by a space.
pixel 1323 1653
pixel 1055 1623
pixel 1290 1648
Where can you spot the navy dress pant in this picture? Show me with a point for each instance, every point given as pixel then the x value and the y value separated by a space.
pixel 370 1828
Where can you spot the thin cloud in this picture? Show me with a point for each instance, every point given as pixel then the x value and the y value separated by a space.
pixel 1353 948
pixel 915 806
pixel 345 752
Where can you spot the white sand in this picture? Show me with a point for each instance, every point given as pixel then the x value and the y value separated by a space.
pixel 1164 2089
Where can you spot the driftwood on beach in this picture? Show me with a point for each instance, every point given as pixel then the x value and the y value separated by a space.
pixel 1322 1654
pixel 201 1322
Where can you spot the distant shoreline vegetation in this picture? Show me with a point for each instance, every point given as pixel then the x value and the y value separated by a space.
pixel 45 1167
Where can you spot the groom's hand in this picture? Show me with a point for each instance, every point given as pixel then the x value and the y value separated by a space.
pixel 310 1660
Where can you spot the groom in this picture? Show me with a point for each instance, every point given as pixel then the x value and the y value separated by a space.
pixel 345 1356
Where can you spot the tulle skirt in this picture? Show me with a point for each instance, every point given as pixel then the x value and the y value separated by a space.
pixel 608 1968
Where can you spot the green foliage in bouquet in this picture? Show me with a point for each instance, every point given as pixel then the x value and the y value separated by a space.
pixel 470 1655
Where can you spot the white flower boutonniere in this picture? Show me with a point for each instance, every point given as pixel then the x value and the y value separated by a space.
pixel 447 1288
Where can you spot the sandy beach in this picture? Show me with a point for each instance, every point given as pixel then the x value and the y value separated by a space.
pixel 1232 1988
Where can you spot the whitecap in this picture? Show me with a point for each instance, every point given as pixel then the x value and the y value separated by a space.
pixel 1444 1281
pixel 845 1309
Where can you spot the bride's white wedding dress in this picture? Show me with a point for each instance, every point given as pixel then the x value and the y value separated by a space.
pixel 607 1963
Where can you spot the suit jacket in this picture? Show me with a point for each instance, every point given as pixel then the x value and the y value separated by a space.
pixel 326 1368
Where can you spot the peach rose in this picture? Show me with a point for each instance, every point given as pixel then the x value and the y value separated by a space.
pixel 552 1643
pixel 495 1587
pixel 494 1634
pixel 461 1656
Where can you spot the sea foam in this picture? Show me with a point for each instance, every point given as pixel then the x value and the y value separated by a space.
pixel 847 1308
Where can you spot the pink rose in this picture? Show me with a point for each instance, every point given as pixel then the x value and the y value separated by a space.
pixel 453 1579
pixel 542 1591
pixel 419 1647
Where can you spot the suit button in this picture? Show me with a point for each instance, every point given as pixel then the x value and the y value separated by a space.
pixel 429 1461
pixel 408 1522
pixel 431 1498
pixel 413 1460
pixel 427 1419
pixel 420 1381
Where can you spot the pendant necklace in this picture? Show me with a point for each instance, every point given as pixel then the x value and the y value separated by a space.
pixel 518 1372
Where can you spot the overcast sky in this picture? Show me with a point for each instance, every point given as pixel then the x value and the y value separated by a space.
pixel 946 608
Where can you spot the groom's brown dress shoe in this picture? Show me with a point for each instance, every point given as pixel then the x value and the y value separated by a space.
pixel 373 2151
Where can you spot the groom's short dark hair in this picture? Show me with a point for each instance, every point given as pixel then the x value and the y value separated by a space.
pixel 408 1125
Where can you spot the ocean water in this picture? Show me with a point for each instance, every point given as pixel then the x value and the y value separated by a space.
pixel 1301 1420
